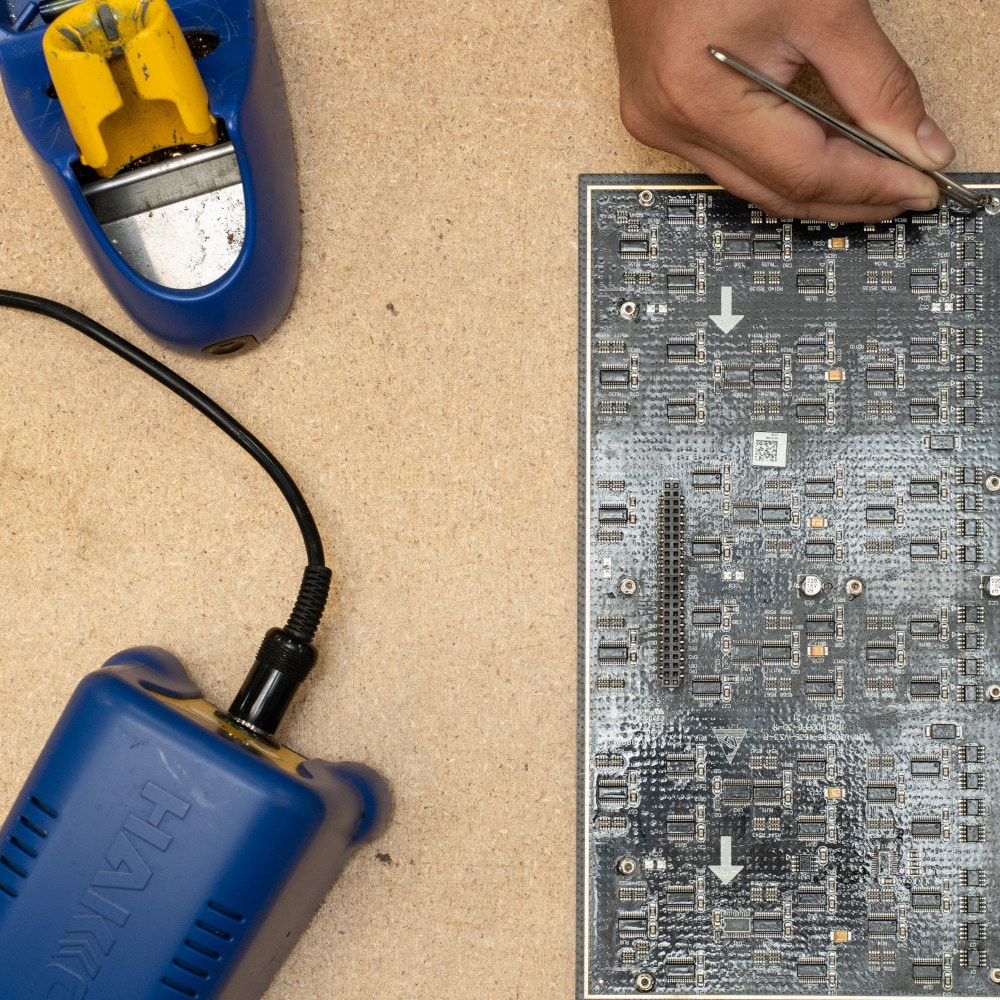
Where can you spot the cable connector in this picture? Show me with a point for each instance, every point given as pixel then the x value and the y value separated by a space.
pixel 283 663
pixel 284 659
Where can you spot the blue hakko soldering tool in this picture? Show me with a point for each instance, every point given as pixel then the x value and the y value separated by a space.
pixel 163 132
pixel 162 849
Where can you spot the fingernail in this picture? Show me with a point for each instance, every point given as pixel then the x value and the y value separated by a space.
pixel 918 204
pixel 935 143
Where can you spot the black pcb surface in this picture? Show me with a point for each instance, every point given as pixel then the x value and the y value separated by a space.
pixel 790 598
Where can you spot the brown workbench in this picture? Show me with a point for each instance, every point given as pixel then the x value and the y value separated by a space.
pixel 423 391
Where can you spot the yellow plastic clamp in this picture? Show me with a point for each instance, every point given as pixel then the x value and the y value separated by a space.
pixel 127 81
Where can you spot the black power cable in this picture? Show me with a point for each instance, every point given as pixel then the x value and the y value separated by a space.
pixel 285 656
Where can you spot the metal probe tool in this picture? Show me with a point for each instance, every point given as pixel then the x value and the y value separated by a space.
pixel 959 193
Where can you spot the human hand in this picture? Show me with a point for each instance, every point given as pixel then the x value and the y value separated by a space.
pixel 676 97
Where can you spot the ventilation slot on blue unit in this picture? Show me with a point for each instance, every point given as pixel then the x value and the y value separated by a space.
pixel 179 988
pixel 196 964
pixel 24 846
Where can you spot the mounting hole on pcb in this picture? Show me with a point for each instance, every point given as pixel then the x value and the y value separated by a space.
pixel 644 982
pixel 628 310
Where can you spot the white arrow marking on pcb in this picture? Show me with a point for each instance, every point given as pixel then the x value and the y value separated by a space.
pixel 725 871
pixel 726 321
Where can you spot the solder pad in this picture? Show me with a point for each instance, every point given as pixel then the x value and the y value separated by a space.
pixel 789 598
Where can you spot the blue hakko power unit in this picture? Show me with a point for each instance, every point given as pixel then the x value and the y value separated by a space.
pixel 158 852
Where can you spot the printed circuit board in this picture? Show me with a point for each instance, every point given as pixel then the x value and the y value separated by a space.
pixel 790 598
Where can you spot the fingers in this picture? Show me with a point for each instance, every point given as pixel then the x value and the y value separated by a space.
pixel 733 179
pixel 874 85
pixel 675 97
pixel 796 168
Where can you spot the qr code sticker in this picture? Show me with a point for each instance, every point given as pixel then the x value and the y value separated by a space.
pixel 769 450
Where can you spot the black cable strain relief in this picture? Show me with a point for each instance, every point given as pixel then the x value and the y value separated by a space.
pixel 287 654
pixel 310 604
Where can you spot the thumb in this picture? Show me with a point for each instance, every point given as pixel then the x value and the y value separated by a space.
pixel 873 84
